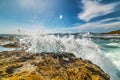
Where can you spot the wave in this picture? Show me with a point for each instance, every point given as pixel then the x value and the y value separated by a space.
pixel 113 54
pixel 114 44
pixel 81 47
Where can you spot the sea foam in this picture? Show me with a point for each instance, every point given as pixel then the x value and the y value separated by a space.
pixel 82 47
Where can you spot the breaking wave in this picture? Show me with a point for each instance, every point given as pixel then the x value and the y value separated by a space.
pixel 114 44
pixel 81 46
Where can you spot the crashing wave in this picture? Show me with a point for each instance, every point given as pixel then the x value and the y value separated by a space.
pixel 82 47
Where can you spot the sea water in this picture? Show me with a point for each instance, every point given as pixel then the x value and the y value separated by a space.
pixel 6 49
pixel 101 49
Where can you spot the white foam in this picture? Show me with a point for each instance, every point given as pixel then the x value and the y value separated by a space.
pixel 114 55
pixel 84 48
pixel 114 44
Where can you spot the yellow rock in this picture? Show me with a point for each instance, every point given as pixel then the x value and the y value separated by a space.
pixel 20 65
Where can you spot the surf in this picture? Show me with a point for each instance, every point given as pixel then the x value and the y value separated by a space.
pixel 80 45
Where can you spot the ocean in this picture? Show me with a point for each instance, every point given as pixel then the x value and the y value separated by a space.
pixel 101 49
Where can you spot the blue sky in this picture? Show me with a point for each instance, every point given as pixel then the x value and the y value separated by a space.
pixel 59 15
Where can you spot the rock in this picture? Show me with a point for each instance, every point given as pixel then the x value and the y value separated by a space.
pixel 11 45
pixel 20 65
pixel 8 40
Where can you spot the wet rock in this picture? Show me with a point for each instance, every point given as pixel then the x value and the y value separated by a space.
pixel 9 41
pixel 20 65
pixel 11 45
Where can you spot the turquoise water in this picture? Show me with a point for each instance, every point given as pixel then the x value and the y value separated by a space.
pixel 6 49
pixel 111 48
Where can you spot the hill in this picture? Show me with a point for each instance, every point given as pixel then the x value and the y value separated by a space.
pixel 114 32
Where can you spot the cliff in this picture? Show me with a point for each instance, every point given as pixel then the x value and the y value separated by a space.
pixel 20 65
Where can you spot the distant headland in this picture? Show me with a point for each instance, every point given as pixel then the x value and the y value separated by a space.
pixel 114 32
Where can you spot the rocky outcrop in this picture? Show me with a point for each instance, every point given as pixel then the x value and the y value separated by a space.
pixel 11 45
pixel 9 41
pixel 20 65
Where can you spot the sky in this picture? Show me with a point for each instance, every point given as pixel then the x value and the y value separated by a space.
pixel 59 16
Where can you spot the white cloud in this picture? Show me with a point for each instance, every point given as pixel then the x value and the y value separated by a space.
pixel 94 26
pixel 90 26
pixel 38 5
pixel 93 8
pixel 28 3
pixel 109 19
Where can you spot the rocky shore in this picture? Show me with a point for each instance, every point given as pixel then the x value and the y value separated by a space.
pixel 20 65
